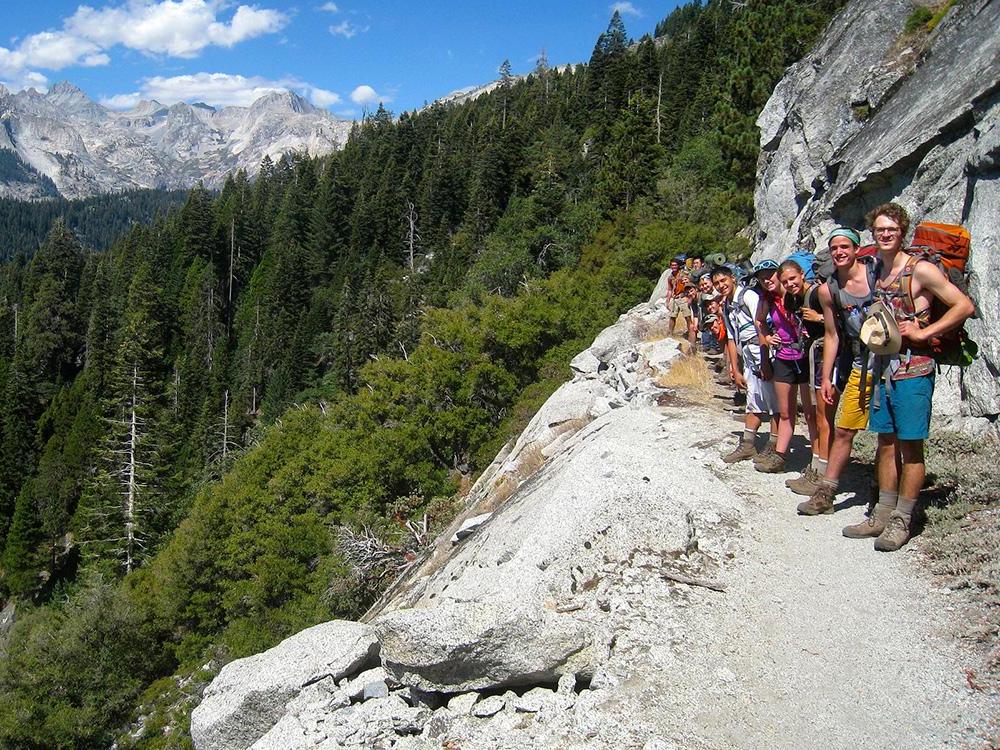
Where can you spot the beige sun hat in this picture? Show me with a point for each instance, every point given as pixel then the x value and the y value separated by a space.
pixel 879 332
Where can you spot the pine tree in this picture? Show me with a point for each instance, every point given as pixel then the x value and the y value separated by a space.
pixel 122 501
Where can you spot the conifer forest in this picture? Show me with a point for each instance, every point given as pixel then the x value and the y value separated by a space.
pixel 201 418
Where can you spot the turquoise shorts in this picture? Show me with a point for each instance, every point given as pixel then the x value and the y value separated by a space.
pixel 904 408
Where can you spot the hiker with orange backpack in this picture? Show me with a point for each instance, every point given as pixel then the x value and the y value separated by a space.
pixel 909 287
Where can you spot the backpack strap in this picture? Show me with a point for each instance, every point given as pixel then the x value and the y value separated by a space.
pixel 741 303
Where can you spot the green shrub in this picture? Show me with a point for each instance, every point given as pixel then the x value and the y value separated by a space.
pixel 918 19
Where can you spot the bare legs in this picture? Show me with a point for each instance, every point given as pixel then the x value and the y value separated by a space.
pixel 787 402
pixel 825 414
pixel 900 465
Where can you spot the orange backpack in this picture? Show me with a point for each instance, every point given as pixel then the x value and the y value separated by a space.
pixel 947 247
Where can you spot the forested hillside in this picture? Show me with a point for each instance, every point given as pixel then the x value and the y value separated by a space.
pixel 201 424
pixel 97 221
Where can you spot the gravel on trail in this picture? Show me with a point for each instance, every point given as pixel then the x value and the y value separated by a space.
pixel 819 640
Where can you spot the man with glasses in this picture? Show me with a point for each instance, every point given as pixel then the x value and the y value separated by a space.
pixel 901 401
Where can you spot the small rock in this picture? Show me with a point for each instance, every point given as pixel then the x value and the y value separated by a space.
pixel 367 685
pixel 585 363
pixel 462 704
pixel 567 684
pixel 534 700
pixel 469 526
pixel 602 679
pixel 375 689
pixel 417 697
pixel 489 706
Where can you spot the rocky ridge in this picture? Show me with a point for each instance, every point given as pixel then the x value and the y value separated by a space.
pixel 86 149
pixel 872 115
pixel 617 585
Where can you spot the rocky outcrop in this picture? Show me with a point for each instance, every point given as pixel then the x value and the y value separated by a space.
pixel 251 695
pixel 872 115
pixel 522 613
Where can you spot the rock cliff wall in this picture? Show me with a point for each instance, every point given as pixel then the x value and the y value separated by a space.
pixel 872 115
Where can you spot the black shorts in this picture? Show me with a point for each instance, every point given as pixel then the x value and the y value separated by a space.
pixel 793 371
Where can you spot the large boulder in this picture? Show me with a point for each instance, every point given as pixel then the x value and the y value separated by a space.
pixel 250 695
pixel 871 115
pixel 517 605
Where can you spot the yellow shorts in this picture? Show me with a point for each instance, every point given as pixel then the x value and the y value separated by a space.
pixel 852 413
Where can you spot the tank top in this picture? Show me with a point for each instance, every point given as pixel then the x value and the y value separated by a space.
pixel 788 328
pixel 852 315
pixel 895 294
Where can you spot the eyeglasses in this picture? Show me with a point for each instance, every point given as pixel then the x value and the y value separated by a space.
pixel 885 230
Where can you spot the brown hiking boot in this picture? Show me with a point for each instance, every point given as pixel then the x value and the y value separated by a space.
pixel 743 451
pixel 873 525
pixel 770 463
pixel 768 451
pixel 820 502
pixel 806 484
pixel 895 534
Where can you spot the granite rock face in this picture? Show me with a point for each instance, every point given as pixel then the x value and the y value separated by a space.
pixel 251 695
pixel 870 116
pixel 528 604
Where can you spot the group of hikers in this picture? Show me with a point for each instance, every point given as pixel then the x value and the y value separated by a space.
pixel 861 330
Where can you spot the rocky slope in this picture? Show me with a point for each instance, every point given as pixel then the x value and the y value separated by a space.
pixel 871 115
pixel 612 583
pixel 86 149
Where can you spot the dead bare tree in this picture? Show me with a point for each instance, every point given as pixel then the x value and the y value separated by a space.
pixel 412 234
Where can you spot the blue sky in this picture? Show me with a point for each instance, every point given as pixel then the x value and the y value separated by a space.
pixel 344 55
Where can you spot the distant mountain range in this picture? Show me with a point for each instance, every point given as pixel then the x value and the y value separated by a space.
pixel 64 139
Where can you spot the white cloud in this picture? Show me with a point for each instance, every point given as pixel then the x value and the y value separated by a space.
pixel 322 97
pixel 329 7
pixel 347 29
pixel 365 96
pixel 55 50
pixel 219 90
pixel 180 28
pixel 626 9
pixel 24 79
pixel 122 101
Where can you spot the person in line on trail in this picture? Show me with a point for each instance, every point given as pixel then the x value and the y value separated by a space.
pixel 708 310
pixel 901 402
pixel 811 312
pixel 781 332
pixel 679 306
pixel 664 289
pixel 845 299
pixel 739 309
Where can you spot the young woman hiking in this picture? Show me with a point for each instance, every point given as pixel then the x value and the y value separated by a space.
pixel 802 299
pixel 781 331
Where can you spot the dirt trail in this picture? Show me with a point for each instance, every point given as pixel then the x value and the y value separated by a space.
pixel 819 640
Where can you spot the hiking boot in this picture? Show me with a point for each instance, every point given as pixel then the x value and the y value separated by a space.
pixel 895 534
pixel 872 526
pixel 743 451
pixel 821 502
pixel 770 463
pixel 768 451
pixel 806 484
